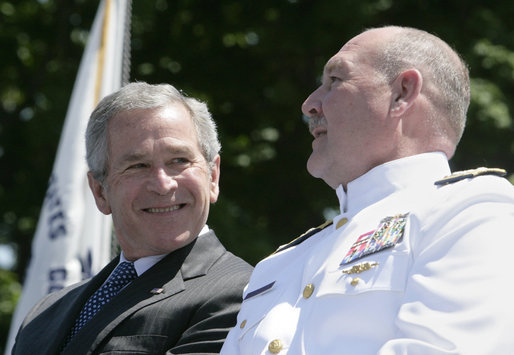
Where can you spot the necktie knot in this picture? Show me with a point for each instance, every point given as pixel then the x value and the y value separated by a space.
pixel 123 274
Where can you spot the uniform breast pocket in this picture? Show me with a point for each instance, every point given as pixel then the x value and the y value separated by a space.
pixel 382 271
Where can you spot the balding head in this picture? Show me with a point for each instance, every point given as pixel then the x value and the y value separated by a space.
pixel 445 75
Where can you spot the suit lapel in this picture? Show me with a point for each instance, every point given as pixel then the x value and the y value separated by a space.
pixel 69 307
pixel 163 280
pixel 206 251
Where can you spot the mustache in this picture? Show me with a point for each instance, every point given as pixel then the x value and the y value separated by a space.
pixel 316 121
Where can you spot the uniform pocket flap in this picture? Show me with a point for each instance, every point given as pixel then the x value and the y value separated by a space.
pixel 384 271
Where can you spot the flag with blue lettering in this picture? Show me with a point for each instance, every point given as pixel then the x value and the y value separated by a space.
pixel 73 239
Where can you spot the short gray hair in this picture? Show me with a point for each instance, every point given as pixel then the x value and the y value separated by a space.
pixel 445 70
pixel 141 95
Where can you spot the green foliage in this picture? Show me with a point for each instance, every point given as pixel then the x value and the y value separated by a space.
pixel 10 291
pixel 254 63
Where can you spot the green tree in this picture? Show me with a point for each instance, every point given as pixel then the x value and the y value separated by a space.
pixel 10 291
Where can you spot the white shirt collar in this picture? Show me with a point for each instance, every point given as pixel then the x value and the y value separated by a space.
pixel 145 263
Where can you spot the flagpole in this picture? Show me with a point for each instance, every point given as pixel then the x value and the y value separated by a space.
pixel 126 59
pixel 101 51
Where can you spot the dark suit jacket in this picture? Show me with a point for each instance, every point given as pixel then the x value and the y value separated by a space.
pixel 184 304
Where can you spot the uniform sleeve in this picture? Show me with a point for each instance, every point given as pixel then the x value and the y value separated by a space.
pixel 458 298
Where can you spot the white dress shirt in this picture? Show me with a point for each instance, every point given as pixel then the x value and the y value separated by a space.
pixel 145 263
pixel 408 267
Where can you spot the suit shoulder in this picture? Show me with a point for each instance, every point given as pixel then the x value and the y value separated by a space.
pixel 234 262
pixel 469 174
pixel 231 267
pixel 57 297
pixel 303 237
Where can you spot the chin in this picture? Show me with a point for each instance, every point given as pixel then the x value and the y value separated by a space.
pixel 314 168
pixel 311 166
pixel 322 174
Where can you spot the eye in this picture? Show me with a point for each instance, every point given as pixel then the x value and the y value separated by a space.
pixel 333 79
pixel 137 166
pixel 180 161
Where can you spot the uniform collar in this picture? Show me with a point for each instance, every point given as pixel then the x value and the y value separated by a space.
pixel 390 177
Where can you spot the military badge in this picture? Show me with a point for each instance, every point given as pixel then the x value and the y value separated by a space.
pixel 389 232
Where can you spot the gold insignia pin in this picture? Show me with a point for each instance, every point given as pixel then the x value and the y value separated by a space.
pixel 357 269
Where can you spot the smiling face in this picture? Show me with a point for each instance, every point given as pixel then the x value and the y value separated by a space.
pixel 349 115
pixel 158 186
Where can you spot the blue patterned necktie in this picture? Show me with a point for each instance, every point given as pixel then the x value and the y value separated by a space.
pixel 121 276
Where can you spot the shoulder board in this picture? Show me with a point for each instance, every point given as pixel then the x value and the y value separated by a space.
pixel 466 174
pixel 303 237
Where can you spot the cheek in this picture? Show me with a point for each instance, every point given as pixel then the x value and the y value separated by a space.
pixel 121 194
pixel 196 181
pixel 332 103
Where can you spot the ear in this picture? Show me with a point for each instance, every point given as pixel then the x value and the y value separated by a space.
pixel 406 89
pixel 98 191
pixel 215 178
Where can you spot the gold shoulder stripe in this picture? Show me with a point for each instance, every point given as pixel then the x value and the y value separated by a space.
pixel 303 237
pixel 467 174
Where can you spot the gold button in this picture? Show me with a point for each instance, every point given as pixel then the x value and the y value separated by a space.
pixel 355 281
pixel 341 222
pixel 308 290
pixel 275 346
pixel 243 323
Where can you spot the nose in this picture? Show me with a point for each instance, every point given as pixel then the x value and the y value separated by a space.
pixel 312 105
pixel 161 182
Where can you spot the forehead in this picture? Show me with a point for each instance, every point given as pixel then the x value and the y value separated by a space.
pixel 336 63
pixel 347 59
pixel 360 50
pixel 346 65
pixel 138 120
pixel 134 127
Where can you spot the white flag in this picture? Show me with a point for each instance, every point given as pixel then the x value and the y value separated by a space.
pixel 72 240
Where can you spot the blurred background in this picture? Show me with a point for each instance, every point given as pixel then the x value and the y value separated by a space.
pixel 254 63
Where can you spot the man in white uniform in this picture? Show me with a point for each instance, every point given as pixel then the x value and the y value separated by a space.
pixel 418 260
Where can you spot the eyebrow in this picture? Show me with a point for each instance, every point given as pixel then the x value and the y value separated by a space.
pixel 333 64
pixel 139 155
pixel 132 157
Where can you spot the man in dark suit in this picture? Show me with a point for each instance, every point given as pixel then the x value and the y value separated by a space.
pixel 154 163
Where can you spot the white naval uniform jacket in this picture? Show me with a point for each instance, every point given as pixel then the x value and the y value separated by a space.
pixel 444 286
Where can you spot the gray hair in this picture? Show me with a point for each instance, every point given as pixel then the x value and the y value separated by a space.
pixel 141 95
pixel 447 86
